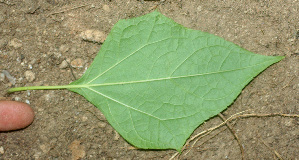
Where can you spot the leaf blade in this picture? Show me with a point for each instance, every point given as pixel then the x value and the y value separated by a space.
pixel 156 81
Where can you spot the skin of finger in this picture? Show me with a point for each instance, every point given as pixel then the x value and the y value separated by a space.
pixel 15 115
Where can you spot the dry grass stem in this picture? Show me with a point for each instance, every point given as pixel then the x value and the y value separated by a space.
pixel 234 134
pixel 233 117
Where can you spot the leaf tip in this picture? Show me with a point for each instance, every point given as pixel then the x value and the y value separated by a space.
pixel 279 58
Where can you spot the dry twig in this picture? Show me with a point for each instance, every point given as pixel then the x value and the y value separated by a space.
pixel 235 116
pixel 234 134
pixel 68 9
pixel 270 148
pixel 203 141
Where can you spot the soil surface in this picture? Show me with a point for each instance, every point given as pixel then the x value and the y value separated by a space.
pixel 38 38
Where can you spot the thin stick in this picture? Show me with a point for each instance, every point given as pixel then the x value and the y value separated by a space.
pixel 206 132
pixel 100 119
pixel 203 141
pixel 5 98
pixel 270 148
pixel 199 139
pixel 213 128
pixel 69 9
pixel 288 84
pixel 71 68
pixel 235 116
pixel 234 134
pixel 265 115
pixel 173 156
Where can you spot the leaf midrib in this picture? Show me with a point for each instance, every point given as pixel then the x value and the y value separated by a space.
pixel 87 85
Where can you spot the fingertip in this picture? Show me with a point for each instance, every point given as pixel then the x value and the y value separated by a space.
pixel 15 115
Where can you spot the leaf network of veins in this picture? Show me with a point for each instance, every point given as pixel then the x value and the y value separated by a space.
pixel 88 85
pixel 156 79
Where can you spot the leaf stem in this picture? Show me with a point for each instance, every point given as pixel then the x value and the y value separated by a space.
pixel 42 88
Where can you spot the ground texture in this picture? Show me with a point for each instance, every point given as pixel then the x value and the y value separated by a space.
pixel 38 38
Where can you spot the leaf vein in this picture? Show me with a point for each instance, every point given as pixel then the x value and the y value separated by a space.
pixel 123 104
pixel 125 59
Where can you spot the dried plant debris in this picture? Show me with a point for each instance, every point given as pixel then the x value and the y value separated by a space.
pixel 10 78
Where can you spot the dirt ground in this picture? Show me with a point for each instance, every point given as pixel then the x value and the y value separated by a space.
pixel 36 36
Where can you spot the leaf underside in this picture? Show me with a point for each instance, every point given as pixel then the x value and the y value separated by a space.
pixel 157 81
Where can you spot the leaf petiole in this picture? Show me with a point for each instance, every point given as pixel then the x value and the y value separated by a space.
pixel 42 88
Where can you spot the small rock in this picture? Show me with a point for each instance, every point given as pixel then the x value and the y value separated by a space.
pixel 289 122
pixel 48 97
pixel 27 101
pixel 31 6
pixel 37 155
pixel 63 64
pixel 102 124
pixel 30 76
pixel 2 43
pixel 2 17
pixel 116 136
pixel 109 130
pixel 57 55
pixel 17 99
pixel 15 43
pixel 78 151
pixel 10 78
pixel 30 66
pixel 77 63
pixel 2 77
pixel 45 148
pixel 199 8
pixel 64 48
pixel 1 150
pixel 106 8
pixel 84 118
pixel 93 36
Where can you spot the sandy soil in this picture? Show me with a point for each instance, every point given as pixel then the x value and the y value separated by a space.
pixel 37 36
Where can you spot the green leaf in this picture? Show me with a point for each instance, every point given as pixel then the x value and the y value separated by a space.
pixel 157 81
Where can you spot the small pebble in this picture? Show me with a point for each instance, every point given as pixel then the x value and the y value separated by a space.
pixel 2 77
pixel 102 124
pixel 93 36
pixel 63 64
pixel 116 136
pixel 289 122
pixel 48 97
pixel 78 150
pixel 2 17
pixel 106 8
pixel 37 155
pixel 10 78
pixel 30 66
pixel 30 76
pixel 56 54
pixel 17 99
pixel 199 8
pixel 45 148
pixel 84 118
pixel 31 6
pixel 15 43
pixel 27 101
pixel 2 43
pixel 77 63
pixel 1 150
pixel 64 48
